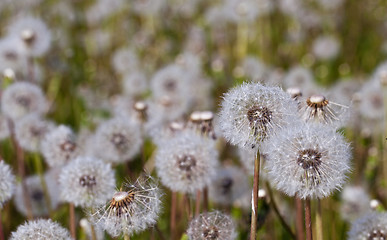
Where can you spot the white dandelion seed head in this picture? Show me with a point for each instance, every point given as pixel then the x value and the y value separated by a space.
pixel 163 133
pixel 380 74
pixel 135 84
pixel 254 69
pixel 7 183
pixel 346 90
pixel 41 229
pixel 372 225
pixel 229 184
pixel 12 54
pixel 310 160
pixel 59 146
pixel 319 109
pixel 186 162
pixel 371 101
pixel 132 209
pixel 30 130
pixel 117 140
pixel 212 226
pixel 22 98
pixel 87 182
pixel 35 193
pixel 355 202
pixel 34 32
pixel 252 112
pixel 125 60
pixel 302 78
pixel 326 47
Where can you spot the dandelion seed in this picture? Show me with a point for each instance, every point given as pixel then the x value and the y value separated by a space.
pixel 59 146
pixel 41 229
pixel 370 226
pixel 22 98
pixel 117 140
pixel 251 112
pixel 310 160
pixel 87 182
pixel 355 203
pixel 187 162
pixel 132 209
pixel 212 226
pixel 7 183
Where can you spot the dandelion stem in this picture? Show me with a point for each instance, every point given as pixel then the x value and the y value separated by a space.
pixel 275 208
pixel 308 220
pixel 173 215
pixel 1 228
pixel 39 169
pixel 254 207
pixel 319 225
pixel 188 207
pixel 126 237
pixel 92 230
pixel 72 220
pixel 299 219
pixel 205 199
pixel 21 169
pixel 198 200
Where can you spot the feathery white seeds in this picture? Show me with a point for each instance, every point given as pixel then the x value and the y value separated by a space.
pixel 133 208
pixel 186 162
pixel 252 112
pixel 7 183
pixel 42 229
pixel 117 140
pixel 22 98
pixel 355 202
pixel 212 226
pixel 372 225
pixel 59 146
pixel 326 47
pixel 310 160
pixel 87 182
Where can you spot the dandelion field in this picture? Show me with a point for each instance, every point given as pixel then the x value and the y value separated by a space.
pixel 193 119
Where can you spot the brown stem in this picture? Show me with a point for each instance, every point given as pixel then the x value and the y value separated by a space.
pixel 275 208
pixel 1 228
pixel 173 215
pixel 188 207
pixel 198 200
pixel 254 207
pixel 299 219
pixel 72 220
pixel 21 170
pixel 205 199
pixel 308 220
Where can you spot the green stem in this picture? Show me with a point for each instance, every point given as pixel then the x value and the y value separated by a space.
pixel 319 224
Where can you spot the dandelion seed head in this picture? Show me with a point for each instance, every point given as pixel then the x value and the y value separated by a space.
pixel 132 209
pixel 40 229
pixel 87 182
pixel 310 160
pixel 22 98
pixel 212 226
pixel 372 225
pixel 186 162
pixel 252 111
pixel 326 47
pixel 7 183
pixel 12 54
pixel 135 83
pixel 125 60
pixel 355 202
pixel 59 146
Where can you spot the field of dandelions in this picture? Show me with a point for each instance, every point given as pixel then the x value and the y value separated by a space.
pixel 193 119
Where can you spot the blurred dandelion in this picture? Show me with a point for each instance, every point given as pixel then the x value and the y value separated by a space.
pixel 41 229
pixel 7 183
pixel 369 226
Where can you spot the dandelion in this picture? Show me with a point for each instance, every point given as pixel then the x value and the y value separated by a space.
pixel 310 160
pixel 251 112
pixel 36 194
pixel 125 60
pixel 7 183
pixel 30 130
pixel 370 226
pixel 34 33
pixel 228 185
pixel 371 101
pixel 22 98
pixel 117 140
pixel 59 146
pixel 132 209
pixel 318 108
pixel 302 78
pixel 326 47
pixel 87 182
pixel 212 226
pixel 41 229
pixel 254 68
pixel 187 162
pixel 355 202
pixel 135 84
pixel 12 54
